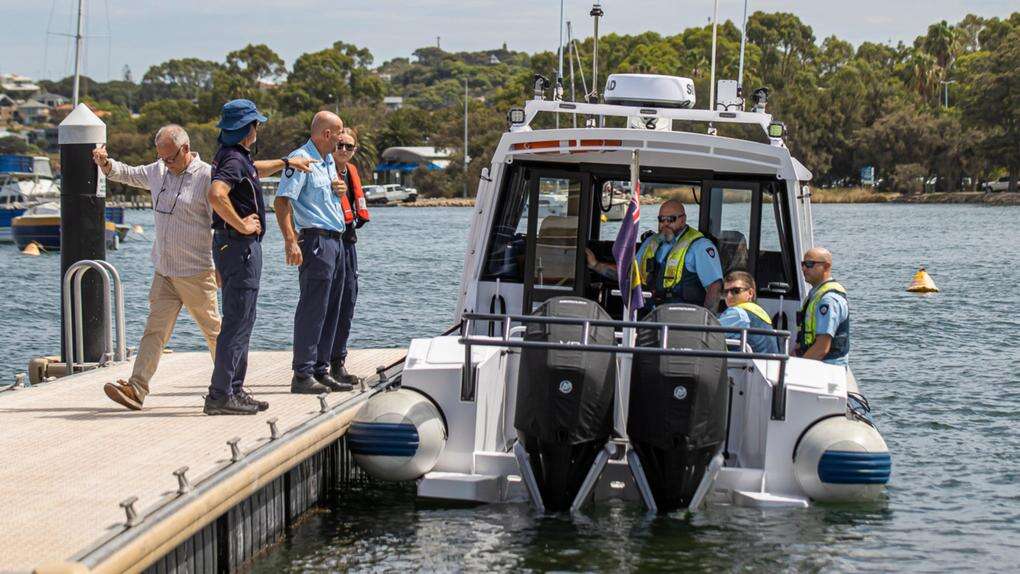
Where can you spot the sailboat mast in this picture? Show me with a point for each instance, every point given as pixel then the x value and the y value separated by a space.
pixel 79 38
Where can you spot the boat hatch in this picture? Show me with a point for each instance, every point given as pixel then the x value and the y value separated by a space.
pixel 549 213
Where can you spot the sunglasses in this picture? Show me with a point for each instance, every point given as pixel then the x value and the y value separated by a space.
pixel 171 159
pixel 808 264
pixel 346 147
pixel 669 218
pixel 735 290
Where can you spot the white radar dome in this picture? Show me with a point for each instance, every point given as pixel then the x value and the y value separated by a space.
pixel 649 90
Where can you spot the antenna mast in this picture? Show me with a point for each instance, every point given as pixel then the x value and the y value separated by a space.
pixel 711 87
pixel 78 39
pixel 596 13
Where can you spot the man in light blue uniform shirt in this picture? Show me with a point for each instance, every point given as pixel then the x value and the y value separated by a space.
pixel 308 202
pixel 825 317
pixel 678 264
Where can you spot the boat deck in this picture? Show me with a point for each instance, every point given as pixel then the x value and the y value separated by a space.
pixel 70 455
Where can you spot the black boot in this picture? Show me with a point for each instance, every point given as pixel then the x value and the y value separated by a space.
pixel 246 398
pixel 306 386
pixel 339 372
pixel 334 385
pixel 231 405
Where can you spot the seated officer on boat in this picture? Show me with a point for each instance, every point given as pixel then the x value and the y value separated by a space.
pixel 678 264
pixel 739 291
pixel 825 317
pixel 308 203
pixel 238 222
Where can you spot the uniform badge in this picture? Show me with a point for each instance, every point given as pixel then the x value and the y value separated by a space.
pixel 711 252
pixel 824 309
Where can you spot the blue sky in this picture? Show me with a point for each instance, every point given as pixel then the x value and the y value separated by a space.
pixel 140 33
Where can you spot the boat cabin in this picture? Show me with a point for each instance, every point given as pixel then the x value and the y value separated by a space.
pixel 541 205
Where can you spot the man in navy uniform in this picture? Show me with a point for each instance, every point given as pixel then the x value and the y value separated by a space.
pixel 311 219
pixel 238 222
pixel 825 318
pixel 678 264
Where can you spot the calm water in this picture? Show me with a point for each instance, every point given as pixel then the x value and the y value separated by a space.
pixel 942 373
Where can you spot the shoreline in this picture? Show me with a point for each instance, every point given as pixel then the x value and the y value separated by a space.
pixel 829 195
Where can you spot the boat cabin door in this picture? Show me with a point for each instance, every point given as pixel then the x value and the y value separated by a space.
pixel 751 224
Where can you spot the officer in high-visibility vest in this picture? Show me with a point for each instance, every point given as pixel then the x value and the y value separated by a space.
pixel 739 290
pixel 678 264
pixel 825 317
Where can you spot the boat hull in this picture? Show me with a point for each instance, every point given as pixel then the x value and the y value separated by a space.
pixel 45 231
pixel 7 216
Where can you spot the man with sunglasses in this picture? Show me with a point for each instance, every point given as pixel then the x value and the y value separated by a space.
pixel 181 252
pixel 311 220
pixel 740 292
pixel 825 317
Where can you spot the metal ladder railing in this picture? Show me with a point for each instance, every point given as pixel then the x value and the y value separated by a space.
pixel 74 342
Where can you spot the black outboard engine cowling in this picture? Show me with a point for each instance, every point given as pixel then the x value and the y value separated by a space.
pixel 678 405
pixel 565 400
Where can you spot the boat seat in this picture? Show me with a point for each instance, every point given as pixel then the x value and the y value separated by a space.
pixel 556 249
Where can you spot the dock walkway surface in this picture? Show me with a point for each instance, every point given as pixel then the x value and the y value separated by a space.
pixel 69 455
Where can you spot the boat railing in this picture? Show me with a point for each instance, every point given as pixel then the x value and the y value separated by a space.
pixel 507 331
pixel 74 338
pixel 533 107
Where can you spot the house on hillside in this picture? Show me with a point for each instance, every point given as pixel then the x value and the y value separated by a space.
pixel 397 164
pixel 393 103
pixel 7 108
pixel 50 99
pixel 20 88
pixel 32 112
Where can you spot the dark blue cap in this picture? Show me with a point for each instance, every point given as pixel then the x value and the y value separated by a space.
pixel 237 114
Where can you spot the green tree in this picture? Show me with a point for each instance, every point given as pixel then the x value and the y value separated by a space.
pixel 185 78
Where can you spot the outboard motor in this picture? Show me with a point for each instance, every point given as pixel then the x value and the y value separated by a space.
pixel 564 401
pixel 677 417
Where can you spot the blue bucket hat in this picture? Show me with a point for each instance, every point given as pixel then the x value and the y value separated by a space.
pixel 235 117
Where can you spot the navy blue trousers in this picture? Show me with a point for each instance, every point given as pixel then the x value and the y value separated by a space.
pixel 321 277
pixel 239 262
pixel 347 302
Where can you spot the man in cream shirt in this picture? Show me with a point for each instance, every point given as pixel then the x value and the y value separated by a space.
pixel 181 253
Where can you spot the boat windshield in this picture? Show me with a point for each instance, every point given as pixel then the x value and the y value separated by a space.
pixel 548 215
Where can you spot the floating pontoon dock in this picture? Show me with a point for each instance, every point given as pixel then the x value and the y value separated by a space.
pixel 71 461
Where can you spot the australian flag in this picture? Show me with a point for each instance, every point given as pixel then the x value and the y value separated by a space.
pixel 627 272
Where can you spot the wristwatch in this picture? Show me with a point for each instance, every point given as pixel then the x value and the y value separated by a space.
pixel 287 170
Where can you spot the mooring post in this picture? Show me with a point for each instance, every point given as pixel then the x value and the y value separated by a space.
pixel 83 219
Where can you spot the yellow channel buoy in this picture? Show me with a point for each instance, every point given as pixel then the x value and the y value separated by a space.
pixel 31 249
pixel 922 283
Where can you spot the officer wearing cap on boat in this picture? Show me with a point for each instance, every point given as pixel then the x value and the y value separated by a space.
pixel 678 264
pixel 825 325
pixel 238 222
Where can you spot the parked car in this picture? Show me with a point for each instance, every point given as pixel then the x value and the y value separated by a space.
pixel 389 193
pixel 374 194
pixel 1001 184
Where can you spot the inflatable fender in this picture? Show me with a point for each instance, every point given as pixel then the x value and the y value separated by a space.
pixel 842 459
pixel 398 435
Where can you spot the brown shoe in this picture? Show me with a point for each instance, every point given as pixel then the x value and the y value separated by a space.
pixel 123 393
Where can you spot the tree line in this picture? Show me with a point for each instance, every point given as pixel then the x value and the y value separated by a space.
pixel 944 110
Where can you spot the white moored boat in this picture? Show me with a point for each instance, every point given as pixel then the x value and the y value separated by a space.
pixel 547 395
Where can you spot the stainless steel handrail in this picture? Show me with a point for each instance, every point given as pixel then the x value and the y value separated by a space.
pixel 74 337
pixel 466 339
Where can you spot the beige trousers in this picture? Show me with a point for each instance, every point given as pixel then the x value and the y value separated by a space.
pixel 197 293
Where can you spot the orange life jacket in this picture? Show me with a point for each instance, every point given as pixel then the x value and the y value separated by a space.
pixel 360 205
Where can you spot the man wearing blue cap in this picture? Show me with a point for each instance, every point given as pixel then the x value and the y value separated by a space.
pixel 239 222
pixel 307 202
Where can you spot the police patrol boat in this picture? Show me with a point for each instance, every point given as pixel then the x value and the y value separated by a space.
pixel 549 393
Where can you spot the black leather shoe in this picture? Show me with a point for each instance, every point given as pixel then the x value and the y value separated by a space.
pixel 307 386
pixel 231 405
pixel 244 397
pixel 340 374
pixel 334 385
